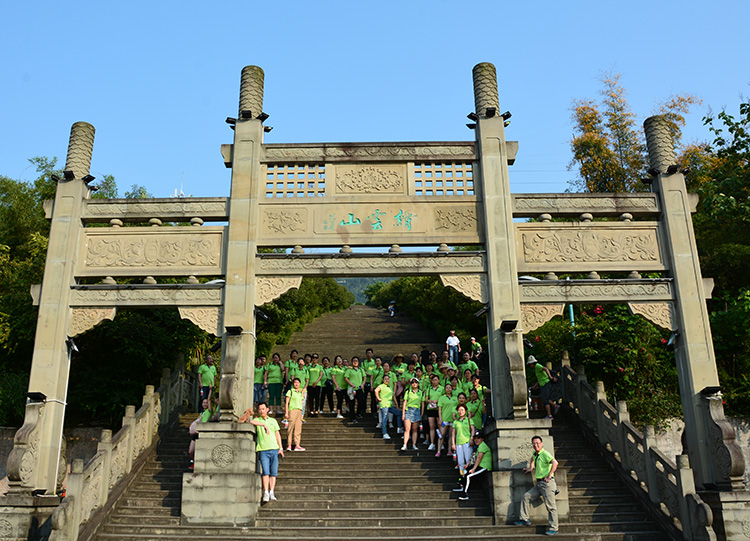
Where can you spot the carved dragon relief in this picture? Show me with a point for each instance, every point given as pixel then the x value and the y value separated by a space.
pixel 473 286
pixel 589 246
pixel 534 316
pixel 268 288
pixel 456 219
pixel 283 222
pixel 659 313
pixel 83 319
pixel 205 317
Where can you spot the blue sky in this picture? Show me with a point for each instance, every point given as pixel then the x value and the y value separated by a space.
pixel 157 79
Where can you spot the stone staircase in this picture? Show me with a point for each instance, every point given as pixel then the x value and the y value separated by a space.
pixel 352 484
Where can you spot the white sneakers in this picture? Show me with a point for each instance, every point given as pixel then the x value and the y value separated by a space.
pixel 386 437
pixel 379 425
pixel 400 431
pixel 266 496
pixel 431 447
pixel 403 447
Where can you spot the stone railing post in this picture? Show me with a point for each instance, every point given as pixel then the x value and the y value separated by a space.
pixel 695 515
pixel 649 441
pixel 129 421
pixel 580 380
pixel 166 405
pixel 623 416
pixel 75 489
pixel 150 400
pixel 105 447
pixel 597 412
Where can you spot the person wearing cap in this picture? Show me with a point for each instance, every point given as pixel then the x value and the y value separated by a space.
pixel 453 346
pixel 543 465
pixel 476 350
pixel 482 465
pixel 543 378
pixel 411 413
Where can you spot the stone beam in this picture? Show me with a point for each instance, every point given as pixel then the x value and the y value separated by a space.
pixel 529 205
pixel 596 291
pixel 167 209
pixel 402 264
pixel 146 296
pixel 152 251
pixel 592 246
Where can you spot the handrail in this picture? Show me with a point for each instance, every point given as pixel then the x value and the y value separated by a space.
pixel 90 485
pixel 668 485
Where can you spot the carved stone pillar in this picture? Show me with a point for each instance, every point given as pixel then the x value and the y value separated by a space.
pixel 696 365
pixel 493 186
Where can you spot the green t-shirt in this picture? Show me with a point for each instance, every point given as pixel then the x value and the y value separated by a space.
pixel 355 376
pixel 386 395
pixel 302 373
pixel 447 405
pixel 475 410
pixel 259 371
pixel 205 416
pixel 541 375
pixel 399 369
pixel 368 367
pixel 314 371
pixel 413 399
pixel 338 375
pixel 266 442
pixel 295 399
pixel 486 461
pixel 207 374
pixel 476 346
pixel 377 376
pixel 463 430
pixel 392 378
pixel 326 375
pixel 274 373
pixel 433 395
pixel 471 365
pixel 542 464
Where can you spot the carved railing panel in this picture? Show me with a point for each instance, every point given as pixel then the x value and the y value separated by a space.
pixel 573 205
pixel 596 291
pixel 155 251
pixel 143 295
pixel 142 210
pixel 583 247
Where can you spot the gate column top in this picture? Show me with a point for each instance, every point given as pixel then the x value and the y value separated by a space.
pixel 485 88
pixel 251 91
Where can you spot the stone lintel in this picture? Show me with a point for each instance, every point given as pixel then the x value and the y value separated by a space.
pixel 529 205
pixel 166 209
pixel 596 291
pixel 402 264
pixel 143 295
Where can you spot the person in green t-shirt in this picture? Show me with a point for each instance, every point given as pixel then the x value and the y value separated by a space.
pixel 269 450
pixel 384 394
pixel 543 378
pixel 461 436
pixel 259 382
pixel 288 366
pixel 314 387
pixel 339 383
pixel 375 378
pixel 431 396
pixel 482 465
pixel 295 400
pixel 327 386
pixel 543 465
pixel 446 406
pixel 476 409
pixel 355 377
pixel 274 379
pixel 467 363
pixel 207 377
pixel 411 413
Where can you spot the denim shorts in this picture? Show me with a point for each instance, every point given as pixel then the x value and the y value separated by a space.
pixel 413 415
pixel 269 462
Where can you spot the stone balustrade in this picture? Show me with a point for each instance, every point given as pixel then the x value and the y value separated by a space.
pixel 668 485
pixel 90 485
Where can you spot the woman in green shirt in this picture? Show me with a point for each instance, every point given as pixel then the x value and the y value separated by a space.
pixel 259 382
pixel 446 406
pixel 482 465
pixel 412 413
pixel 476 409
pixel 431 396
pixel 327 388
pixel 384 394
pixel 463 432
pixel 314 388
pixel 274 378
pixel 339 383
pixel 355 377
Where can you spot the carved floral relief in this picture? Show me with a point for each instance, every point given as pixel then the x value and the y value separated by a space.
pixel 589 246
pixel 659 313
pixel 534 316
pixel 369 179
pixel 205 317
pixel 285 221
pixel 456 219
pixel 268 288
pixel 83 319
pixel 133 251
pixel 473 286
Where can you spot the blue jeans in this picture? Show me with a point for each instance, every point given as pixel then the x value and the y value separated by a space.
pixel 384 417
pixel 269 462
pixel 260 392
pixel 453 354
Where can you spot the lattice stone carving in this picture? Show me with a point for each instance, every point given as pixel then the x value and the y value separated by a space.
pixel 659 313
pixel 473 286
pixel 205 317
pixel 268 288
pixel 370 179
pixel 83 319
pixel 534 316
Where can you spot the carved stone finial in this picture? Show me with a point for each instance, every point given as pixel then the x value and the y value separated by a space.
pixel 634 275
pixel 443 248
pixel 192 280
pixel 298 249
pixel 109 281
pixel 485 88
pixel 155 222
pixel 346 249
pixel 251 90
pixel 593 275
pixel 626 217
pixel 550 276
pixel 196 221
pixel 149 280
pixel 586 217
pixel 545 218
pixel 659 142
pixel 115 222
pixel 395 249
pixel 80 147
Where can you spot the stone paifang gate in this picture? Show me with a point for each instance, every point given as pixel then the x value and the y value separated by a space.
pixel 368 194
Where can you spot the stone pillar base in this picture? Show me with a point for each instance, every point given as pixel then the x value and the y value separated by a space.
pixel 510 442
pixel 731 510
pixel 224 488
pixel 26 517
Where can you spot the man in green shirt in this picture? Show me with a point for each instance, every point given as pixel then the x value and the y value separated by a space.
pixel 543 465
pixel 269 450
pixel 543 378
pixel 355 377
pixel 467 363
pixel 482 465
pixel 207 375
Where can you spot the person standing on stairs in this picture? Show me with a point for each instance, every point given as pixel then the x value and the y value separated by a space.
pixel 543 378
pixel 384 394
pixel 207 375
pixel 376 378
pixel 275 380
pixel 446 406
pixel 314 387
pixel 453 347
pixel 327 389
pixel 412 413
pixel 295 399
pixel 543 465
pixel 269 450
pixel 431 397
pixel 355 377
pixel 339 383
pixel 482 465
pixel 461 436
